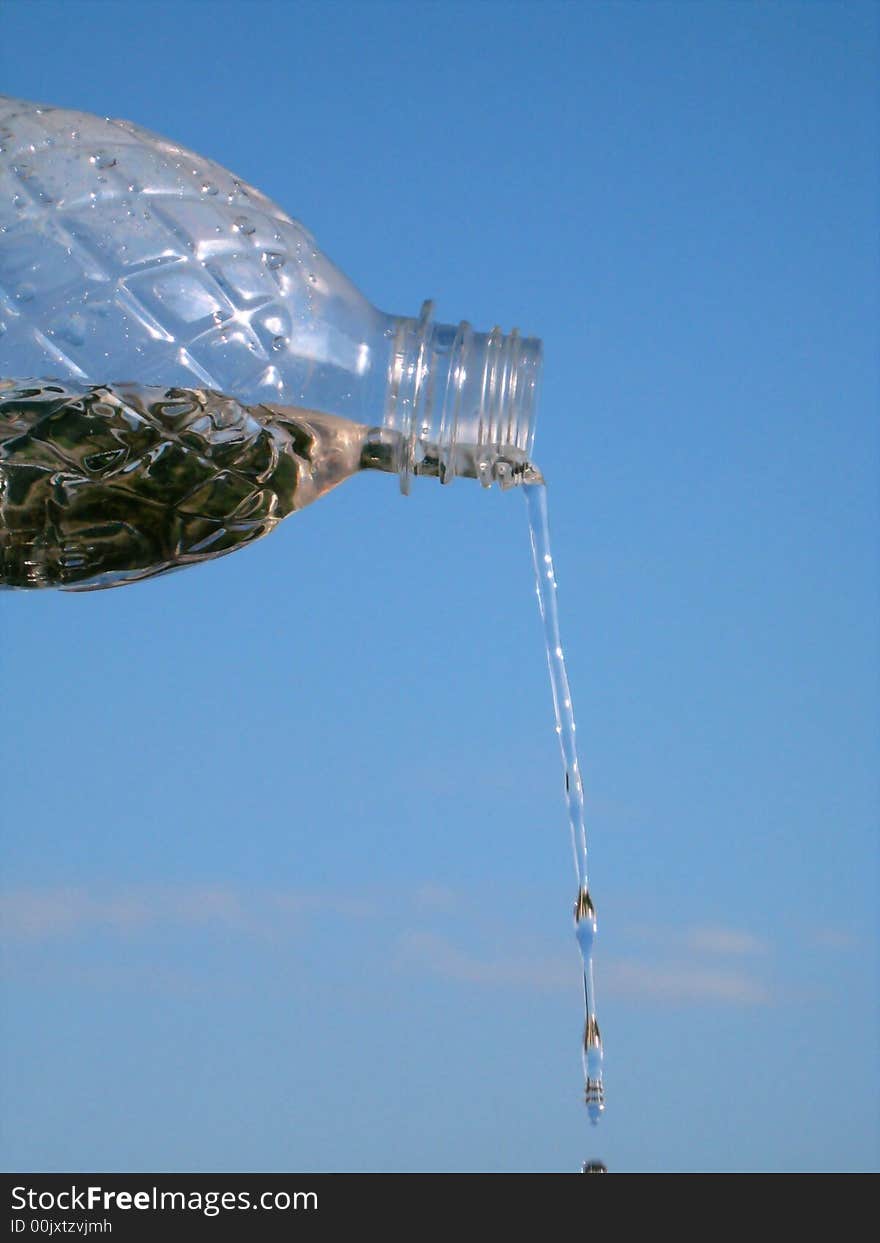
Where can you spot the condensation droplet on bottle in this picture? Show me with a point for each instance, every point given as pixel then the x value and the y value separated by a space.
pixel 101 159
pixel 24 293
pixel 208 187
pixel 273 259
pixel 244 225
pixel 279 343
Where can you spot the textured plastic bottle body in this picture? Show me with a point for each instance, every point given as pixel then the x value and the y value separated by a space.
pixel 125 257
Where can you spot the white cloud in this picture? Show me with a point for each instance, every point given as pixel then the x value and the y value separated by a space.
pixel 665 983
pixel 714 939
pixel 40 914
pixel 439 956
pixel 675 983
pixel 688 976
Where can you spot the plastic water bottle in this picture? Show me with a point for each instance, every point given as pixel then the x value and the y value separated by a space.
pixel 181 367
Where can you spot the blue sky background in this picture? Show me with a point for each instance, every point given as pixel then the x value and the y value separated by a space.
pixel 286 881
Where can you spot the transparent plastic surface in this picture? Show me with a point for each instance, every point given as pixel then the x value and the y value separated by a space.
pixel 126 258
pixel 123 250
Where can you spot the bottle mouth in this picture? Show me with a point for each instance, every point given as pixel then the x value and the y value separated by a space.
pixel 461 402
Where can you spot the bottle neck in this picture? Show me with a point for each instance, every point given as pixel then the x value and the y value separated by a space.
pixel 458 402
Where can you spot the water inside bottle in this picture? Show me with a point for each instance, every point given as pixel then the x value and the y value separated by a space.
pixel 102 486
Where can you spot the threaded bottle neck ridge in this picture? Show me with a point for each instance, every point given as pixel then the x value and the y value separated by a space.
pixel 460 402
